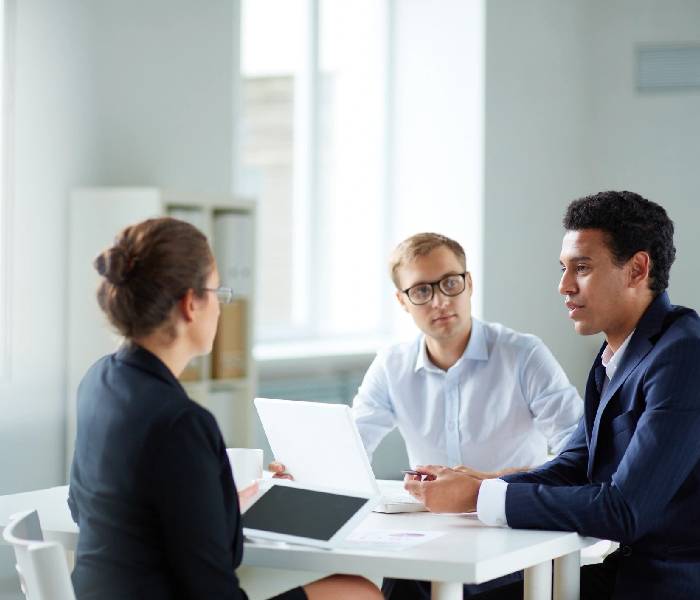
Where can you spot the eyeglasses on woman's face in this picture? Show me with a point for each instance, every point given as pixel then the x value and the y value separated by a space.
pixel 223 294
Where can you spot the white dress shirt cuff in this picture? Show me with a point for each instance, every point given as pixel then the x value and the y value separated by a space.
pixel 491 502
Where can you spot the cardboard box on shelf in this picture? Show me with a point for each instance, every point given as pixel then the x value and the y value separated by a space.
pixel 229 355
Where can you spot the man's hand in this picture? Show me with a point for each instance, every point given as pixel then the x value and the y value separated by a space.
pixel 476 474
pixel 445 491
pixel 491 474
pixel 279 470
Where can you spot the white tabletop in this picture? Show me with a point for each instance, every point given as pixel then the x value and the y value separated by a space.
pixel 468 552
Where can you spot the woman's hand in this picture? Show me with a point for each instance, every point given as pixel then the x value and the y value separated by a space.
pixel 279 470
pixel 246 495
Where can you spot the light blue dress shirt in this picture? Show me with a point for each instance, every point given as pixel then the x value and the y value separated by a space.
pixel 505 403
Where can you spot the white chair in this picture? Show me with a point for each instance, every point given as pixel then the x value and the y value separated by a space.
pixel 41 566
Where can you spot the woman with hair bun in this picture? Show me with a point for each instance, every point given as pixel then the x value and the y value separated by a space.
pixel 151 487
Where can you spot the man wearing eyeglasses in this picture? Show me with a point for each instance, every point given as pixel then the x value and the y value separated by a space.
pixel 464 391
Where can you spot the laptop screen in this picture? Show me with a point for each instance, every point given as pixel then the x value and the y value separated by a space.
pixel 343 464
pixel 305 513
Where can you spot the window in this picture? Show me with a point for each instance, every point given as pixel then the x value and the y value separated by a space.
pixel 313 152
pixel 270 74
pixel 362 123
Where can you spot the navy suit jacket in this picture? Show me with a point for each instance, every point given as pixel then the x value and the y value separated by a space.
pixel 631 470
pixel 151 488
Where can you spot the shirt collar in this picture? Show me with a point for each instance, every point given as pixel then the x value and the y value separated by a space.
pixel 476 349
pixel 611 360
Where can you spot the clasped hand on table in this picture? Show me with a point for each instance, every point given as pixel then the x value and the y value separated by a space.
pixel 445 490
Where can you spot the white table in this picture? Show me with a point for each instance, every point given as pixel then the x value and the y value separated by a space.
pixel 469 552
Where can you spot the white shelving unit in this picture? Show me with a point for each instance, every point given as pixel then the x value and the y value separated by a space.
pixel 225 381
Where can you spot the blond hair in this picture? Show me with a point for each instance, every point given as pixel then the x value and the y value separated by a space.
pixel 422 244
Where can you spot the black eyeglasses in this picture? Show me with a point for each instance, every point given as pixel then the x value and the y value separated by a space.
pixel 223 294
pixel 450 285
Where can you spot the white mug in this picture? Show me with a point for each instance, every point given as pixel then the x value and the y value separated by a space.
pixel 246 465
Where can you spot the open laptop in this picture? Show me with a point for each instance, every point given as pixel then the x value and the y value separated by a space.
pixel 319 444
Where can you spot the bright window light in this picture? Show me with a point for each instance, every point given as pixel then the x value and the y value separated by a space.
pixel 313 154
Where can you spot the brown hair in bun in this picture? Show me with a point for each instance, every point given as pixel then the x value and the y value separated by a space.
pixel 148 269
pixel 115 264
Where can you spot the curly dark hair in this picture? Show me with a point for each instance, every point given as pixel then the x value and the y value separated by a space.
pixel 631 224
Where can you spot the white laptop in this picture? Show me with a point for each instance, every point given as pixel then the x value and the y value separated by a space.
pixel 319 444
pixel 287 511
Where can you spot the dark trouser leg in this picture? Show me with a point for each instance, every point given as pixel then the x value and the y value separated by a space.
pixel 597 583
pixel 406 589
pixel 475 590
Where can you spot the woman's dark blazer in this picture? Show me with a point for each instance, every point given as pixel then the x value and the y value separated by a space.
pixel 150 488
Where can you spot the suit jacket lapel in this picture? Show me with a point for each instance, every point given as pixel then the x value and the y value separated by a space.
pixel 639 346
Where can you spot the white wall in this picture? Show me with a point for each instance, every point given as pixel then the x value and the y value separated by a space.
pixel 53 140
pixel 162 74
pixel 53 133
pixel 106 93
pixel 651 141
pixel 537 159
pixel 563 119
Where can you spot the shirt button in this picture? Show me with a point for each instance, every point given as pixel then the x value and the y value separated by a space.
pixel 626 550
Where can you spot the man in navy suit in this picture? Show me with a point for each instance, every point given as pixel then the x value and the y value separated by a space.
pixel 631 471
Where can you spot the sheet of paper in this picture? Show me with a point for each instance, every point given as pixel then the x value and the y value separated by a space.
pixel 389 539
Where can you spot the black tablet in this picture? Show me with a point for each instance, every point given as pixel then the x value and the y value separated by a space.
pixel 317 516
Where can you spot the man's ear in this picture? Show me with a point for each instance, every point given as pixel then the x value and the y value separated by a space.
pixel 639 268
pixel 401 297
pixel 186 306
pixel 469 283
